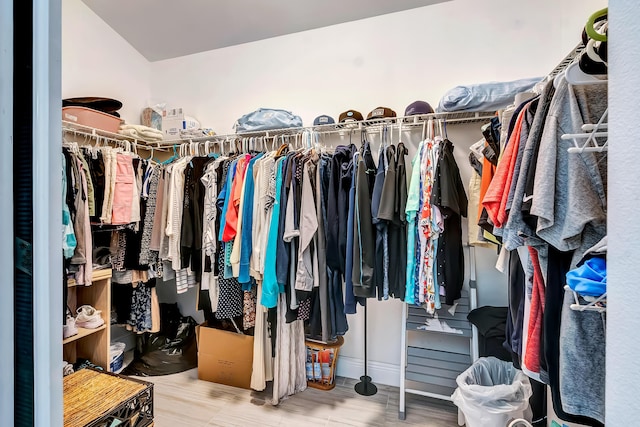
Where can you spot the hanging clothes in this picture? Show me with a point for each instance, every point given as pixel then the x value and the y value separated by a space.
pixel 450 197
pixel 364 234
pixel 393 205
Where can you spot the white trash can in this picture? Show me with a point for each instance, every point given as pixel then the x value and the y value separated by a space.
pixel 492 393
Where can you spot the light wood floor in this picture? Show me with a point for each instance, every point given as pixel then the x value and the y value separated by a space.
pixel 183 400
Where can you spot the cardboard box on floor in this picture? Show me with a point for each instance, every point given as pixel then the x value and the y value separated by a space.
pixel 224 357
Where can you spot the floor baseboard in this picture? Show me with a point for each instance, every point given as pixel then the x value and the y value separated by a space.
pixel 380 373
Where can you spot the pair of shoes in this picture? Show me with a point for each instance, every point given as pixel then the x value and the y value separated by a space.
pixel 88 317
pixel 69 329
pixel 85 363
pixel 67 369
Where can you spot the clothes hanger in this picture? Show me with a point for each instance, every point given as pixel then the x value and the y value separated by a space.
pixel 172 158
pixel 576 77
pixel 214 154
pixel 207 148
pixel 598 304
pixel 589 27
pixel 590 61
pixel 223 150
pixel 430 129
pixel 283 146
pixel 592 133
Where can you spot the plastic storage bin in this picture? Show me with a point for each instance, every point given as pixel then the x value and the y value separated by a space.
pixel 492 393
pixel 92 118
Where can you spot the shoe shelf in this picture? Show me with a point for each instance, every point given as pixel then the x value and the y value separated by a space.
pixel 91 344
pixel 83 332
pixel 96 275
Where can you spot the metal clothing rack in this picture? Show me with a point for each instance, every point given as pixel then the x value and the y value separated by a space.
pixel 562 65
pixel 369 126
pixel 100 136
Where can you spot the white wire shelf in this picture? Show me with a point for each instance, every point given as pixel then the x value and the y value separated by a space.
pixel 369 126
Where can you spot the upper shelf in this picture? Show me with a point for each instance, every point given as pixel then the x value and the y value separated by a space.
pixel 373 125
pixel 91 132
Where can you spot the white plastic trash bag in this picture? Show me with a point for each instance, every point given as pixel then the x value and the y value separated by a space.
pixel 491 393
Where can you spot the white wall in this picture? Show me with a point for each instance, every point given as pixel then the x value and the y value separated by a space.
pixel 97 61
pixel 391 61
pixel 623 317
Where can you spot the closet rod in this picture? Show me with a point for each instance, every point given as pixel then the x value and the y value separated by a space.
pixel 365 125
pixel 79 129
pixel 101 135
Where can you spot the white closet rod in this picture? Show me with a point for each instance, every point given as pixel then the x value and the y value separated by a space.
pixel 362 126
pixel 103 135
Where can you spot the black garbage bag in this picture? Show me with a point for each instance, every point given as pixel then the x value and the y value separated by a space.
pixel 172 350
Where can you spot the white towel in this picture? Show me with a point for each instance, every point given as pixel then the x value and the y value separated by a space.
pixel 141 132
pixel 132 133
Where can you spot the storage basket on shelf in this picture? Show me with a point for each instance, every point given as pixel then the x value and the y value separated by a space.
pixel 321 363
pixel 91 118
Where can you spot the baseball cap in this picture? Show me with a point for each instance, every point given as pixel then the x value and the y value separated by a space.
pixel 380 113
pixel 418 107
pixel 350 116
pixel 323 120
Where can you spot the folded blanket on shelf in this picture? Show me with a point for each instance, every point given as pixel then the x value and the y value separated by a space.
pixel 141 132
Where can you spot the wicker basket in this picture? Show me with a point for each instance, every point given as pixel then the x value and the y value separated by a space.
pixel 95 398
pixel 322 360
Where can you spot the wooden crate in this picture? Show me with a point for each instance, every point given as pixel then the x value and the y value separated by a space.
pixel 94 398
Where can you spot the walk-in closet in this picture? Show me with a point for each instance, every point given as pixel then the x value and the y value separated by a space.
pixel 357 213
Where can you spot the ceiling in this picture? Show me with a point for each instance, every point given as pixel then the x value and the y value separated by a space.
pixel 163 29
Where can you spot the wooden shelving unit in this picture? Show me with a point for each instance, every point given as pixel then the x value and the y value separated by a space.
pixel 83 332
pixel 91 344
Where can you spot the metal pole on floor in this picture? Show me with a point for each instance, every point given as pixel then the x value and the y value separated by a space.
pixel 365 387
